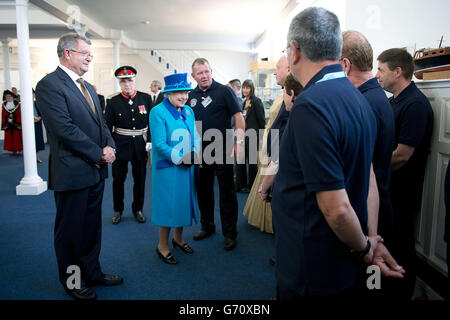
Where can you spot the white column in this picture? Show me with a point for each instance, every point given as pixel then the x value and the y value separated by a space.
pixel 31 183
pixel 6 72
pixel 116 45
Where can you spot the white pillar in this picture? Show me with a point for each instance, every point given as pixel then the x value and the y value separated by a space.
pixel 116 45
pixel 6 72
pixel 31 183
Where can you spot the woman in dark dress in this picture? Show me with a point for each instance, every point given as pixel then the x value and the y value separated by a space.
pixel 253 112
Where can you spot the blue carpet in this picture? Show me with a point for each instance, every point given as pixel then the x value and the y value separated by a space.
pixel 28 268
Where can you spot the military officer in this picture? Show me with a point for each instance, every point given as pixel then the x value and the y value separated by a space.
pixel 126 114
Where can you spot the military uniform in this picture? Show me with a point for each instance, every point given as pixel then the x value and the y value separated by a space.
pixel 127 118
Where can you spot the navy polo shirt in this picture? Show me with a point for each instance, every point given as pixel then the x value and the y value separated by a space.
pixel 328 144
pixel 382 155
pixel 218 113
pixel 413 127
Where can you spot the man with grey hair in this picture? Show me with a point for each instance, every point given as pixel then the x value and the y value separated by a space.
pixel 155 93
pixel 320 194
pixel 81 146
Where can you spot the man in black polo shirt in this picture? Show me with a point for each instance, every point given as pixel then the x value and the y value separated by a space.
pixel 357 62
pixel 214 105
pixel 413 128
pixel 320 193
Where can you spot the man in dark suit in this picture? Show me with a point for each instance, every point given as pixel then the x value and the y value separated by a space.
pixel 155 92
pixel 80 148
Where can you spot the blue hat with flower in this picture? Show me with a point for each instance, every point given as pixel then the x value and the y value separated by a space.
pixel 176 82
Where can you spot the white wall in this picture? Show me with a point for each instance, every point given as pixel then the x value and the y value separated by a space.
pixel 230 65
pixel 400 23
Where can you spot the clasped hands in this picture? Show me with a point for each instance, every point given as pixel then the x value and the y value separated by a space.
pixel 108 156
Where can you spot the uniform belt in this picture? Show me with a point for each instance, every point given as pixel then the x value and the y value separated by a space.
pixel 129 132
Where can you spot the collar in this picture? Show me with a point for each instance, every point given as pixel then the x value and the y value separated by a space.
pixel 70 73
pixel 213 86
pixel 129 97
pixel 319 75
pixel 405 93
pixel 173 111
pixel 369 84
pixel 10 105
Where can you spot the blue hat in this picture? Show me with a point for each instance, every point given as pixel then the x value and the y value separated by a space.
pixel 176 82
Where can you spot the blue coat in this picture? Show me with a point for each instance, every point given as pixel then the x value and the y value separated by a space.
pixel 174 197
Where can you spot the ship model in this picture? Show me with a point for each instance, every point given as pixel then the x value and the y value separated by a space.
pixel 431 60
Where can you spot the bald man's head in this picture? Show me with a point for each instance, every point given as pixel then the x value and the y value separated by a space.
pixel 281 70
pixel 358 50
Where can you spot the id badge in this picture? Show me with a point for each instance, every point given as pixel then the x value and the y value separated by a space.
pixel 206 101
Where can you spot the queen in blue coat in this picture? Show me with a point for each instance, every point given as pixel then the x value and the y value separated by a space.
pixel 175 146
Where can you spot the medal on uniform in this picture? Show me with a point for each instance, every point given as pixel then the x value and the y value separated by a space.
pixel 142 109
pixel 130 102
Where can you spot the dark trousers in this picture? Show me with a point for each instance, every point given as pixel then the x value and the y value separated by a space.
pixel 119 173
pixel 228 200
pixel 245 179
pixel 403 247
pixel 78 231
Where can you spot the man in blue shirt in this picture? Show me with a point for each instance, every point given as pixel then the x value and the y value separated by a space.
pixel 320 193
pixel 357 62
pixel 413 128
pixel 214 105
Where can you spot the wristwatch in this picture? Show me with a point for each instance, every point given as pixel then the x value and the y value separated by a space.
pixel 359 255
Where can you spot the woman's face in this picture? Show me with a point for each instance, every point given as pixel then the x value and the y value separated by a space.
pixel 245 91
pixel 178 98
pixel 288 99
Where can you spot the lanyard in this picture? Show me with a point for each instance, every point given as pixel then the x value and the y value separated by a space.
pixel 333 75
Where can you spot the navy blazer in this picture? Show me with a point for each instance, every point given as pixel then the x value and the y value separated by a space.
pixel 76 135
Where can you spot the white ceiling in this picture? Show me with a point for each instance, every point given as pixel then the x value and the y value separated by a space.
pixel 233 25
pixel 231 21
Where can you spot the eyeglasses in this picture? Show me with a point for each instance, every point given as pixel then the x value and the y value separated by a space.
pixel 85 54
pixel 285 51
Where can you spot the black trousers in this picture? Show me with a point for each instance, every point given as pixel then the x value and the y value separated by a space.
pixel 403 247
pixel 78 231
pixel 119 173
pixel 228 200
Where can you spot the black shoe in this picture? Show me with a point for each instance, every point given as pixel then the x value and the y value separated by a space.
pixel 170 259
pixel 84 293
pixel 272 260
pixel 202 234
pixel 139 216
pixel 106 280
pixel 229 244
pixel 116 217
pixel 185 247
